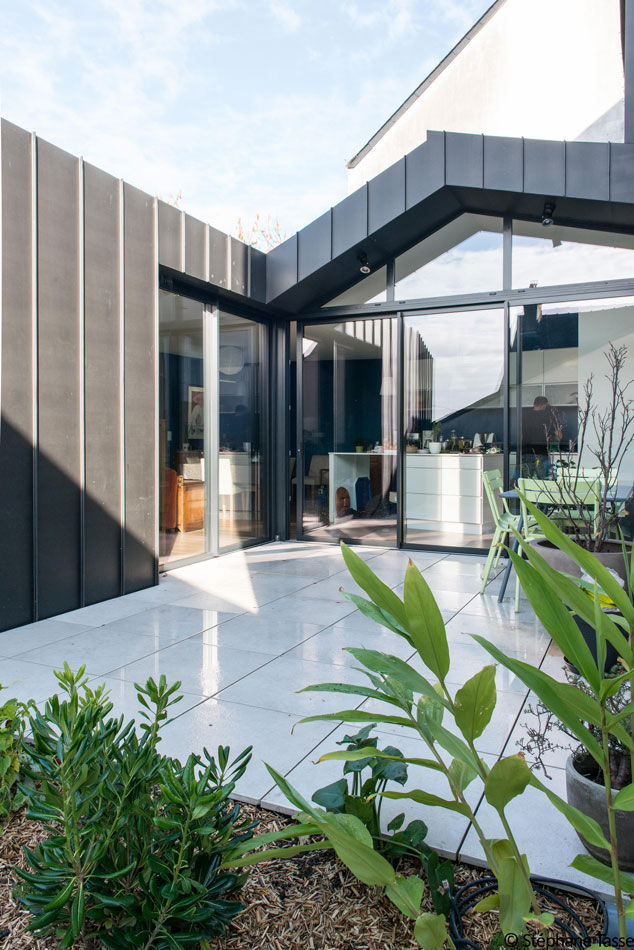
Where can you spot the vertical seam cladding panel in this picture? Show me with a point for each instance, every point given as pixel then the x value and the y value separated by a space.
pixel 139 396
pixel 16 439
pixel 59 465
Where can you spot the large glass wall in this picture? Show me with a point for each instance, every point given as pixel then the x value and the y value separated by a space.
pixel 546 256
pixel 454 425
pixel 241 429
pixel 463 257
pixel 556 350
pixel 183 432
pixel 212 430
pixel 349 430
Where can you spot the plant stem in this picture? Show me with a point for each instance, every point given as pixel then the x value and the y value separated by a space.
pixel 614 857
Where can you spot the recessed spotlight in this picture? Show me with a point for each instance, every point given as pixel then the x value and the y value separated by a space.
pixel 363 261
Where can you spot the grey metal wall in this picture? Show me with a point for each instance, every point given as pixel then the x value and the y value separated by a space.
pixel 78 439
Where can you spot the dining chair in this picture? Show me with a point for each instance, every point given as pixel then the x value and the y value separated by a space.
pixel 504 520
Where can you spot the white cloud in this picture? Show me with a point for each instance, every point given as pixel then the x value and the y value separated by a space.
pixel 289 19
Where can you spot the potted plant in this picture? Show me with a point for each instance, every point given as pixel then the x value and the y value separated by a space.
pixel 360 444
pixel 435 444
pixel 597 710
pixel 583 497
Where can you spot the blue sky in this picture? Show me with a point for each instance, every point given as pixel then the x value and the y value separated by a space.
pixel 244 106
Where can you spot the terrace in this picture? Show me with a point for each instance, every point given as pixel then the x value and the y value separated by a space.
pixel 246 631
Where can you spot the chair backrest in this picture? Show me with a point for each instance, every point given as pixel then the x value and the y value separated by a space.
pixel 493 486
pixel 554 494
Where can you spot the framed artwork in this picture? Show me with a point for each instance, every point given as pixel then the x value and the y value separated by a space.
pixel 195 412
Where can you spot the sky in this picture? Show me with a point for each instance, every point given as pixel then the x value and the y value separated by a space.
pixel 242 107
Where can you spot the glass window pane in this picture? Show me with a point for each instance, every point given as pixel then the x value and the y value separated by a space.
pixel 183 439
pixel 555 350
pixel 241 428
pixel 543 257
pixel 463 257
pixel 350 405
pixel 453 415
pixel 370 289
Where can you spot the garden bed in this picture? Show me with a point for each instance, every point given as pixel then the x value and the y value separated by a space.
pixel 311 901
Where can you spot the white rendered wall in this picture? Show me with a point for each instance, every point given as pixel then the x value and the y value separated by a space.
pixel 549 69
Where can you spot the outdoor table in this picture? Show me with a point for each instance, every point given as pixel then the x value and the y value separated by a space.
pixel 617 495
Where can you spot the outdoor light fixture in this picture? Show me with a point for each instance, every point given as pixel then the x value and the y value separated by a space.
pixel 363 261
pixel 547 214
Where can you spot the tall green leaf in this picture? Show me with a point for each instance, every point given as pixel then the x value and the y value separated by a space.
pixel 586 561
pixel 516 896
pixel 557 620
pixel 575 598
pixel 425 624
pixel 430 931
pixel 624 798
pixel 507 779
pixel 376 590
pixel 589 865
pixel 406 893
pixel 568 703
pixel 474 703
pixel 370 609
pixel 426 798
pixel 401 670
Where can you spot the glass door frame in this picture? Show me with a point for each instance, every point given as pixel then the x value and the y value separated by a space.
pixel 399 314
pixel 211 309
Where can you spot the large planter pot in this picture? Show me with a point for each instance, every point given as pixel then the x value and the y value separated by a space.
pixel 589 798
pixel 567 923
pixel 589 635
pixel 611 557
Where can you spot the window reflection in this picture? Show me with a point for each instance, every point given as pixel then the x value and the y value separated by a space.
pixel 350 405
pixel 557 255
pixel 454 416
pixel 463 257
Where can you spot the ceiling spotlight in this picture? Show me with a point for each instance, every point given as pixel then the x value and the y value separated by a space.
pixel 547 214
pixel 363 261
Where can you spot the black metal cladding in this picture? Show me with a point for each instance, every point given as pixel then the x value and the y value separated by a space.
pixel 102 387
pixel 16 434
pixel 450 173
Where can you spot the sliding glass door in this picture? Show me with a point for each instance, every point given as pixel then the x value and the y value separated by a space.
pixel 348 439
pixel 453 422
pixel 212 430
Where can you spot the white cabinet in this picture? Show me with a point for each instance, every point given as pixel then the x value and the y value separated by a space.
pixel 447 492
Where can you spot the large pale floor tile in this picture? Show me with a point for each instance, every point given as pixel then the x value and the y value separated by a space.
pixel 278 685
pixel 215 722
pixel 398 560
pixel 105 612
pixel 26 680
pixel 99 650
pixel 308 609
pixel 270 635
pixel 328 646
pixel 35 635
pixel 202 668
pixel 169 623
pixel 518 641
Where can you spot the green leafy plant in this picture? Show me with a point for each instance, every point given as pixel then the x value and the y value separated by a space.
pixel 363 798
pixel 588 714
pixel 13 715
pixel 413 701
pixel 135 840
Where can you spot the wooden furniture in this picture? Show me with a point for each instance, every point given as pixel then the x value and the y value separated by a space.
pixel 191 504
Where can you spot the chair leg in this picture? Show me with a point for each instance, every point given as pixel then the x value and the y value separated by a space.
pixel 499 554
pixel 517 593
pixel 489 560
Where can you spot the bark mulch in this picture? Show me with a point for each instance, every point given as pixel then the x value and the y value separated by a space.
pixel 310 901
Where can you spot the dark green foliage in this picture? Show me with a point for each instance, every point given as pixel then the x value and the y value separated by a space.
pixel 363 799
pixel 136 840
pixel 13 716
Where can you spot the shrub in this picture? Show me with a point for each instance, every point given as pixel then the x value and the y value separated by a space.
pixel 12 725
pixel 135 839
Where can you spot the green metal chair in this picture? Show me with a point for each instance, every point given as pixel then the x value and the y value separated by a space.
pixel 505 521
